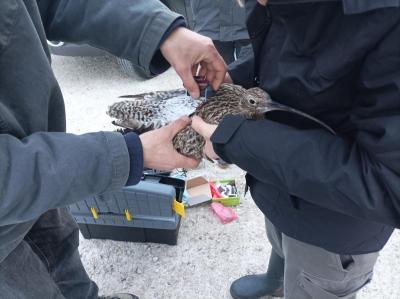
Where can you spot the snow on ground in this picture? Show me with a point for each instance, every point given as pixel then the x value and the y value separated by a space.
pixel 209 255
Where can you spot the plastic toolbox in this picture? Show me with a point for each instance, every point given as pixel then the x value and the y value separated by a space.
pixel 146 212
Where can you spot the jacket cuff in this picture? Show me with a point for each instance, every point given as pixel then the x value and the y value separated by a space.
pixel 224 132
pixel 136 158
pixel 119 159
pixel 152 41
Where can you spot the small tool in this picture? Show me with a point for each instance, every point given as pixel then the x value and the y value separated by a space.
pixel 205 88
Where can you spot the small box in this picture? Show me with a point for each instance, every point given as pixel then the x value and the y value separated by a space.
pixel 199 191
pixel 228 192
pixel 145 212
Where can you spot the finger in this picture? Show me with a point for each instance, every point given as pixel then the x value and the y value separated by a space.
pixel 209 150
pixel 188 81
pixel 228 79
pixel 218 78
pixel 200 126
pixel 219 68
pixel 178 125
pixel 210 75
pixel 185 162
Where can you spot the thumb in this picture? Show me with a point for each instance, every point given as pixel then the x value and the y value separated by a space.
pixel 185 162
pixel 178 125
pixel 200 126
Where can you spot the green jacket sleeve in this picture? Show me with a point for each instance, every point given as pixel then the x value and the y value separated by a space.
pixel 125 28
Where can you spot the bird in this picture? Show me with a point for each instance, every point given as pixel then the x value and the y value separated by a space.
pixel 149 111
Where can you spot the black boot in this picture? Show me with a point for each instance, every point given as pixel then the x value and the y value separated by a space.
pixel 267 284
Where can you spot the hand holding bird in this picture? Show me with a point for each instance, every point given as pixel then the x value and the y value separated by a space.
pixel 158 151
pixel 205 130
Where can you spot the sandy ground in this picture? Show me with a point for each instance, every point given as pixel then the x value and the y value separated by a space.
pixel 209 255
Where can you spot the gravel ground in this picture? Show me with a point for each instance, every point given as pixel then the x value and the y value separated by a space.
pixel 209 255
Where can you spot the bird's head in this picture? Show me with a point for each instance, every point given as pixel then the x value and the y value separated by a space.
pixel 254 101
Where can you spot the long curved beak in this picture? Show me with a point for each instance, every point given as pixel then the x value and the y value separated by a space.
pixel 274 106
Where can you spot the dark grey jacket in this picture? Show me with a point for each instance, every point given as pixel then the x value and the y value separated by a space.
pixel 340 192
pixel 40 166
pixel 222 20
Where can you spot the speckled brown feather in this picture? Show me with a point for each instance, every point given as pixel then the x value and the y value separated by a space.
pixel 229 99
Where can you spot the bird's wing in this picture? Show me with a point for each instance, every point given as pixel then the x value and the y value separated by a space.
pixel 138 116
pixel 148 111
pixel 136 109
pixel 157 95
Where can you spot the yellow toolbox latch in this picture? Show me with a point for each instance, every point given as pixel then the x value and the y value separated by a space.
pixel 95 213
pixel 128 215
pixel 179 208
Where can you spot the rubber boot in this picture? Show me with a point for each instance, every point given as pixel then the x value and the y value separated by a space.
pixel 267 284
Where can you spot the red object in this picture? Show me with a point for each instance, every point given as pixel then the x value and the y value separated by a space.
pixel 215 192
pixel 201 81
pixel 224 214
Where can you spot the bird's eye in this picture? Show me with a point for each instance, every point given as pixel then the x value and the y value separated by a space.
pixel 251 101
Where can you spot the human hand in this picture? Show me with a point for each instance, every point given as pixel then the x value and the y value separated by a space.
pixel 205 130
pixel 228 78
pixel 158 151
pixel 186 50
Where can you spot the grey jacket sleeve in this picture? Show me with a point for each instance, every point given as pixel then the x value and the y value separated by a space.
pixel 125 28
pixel 36 171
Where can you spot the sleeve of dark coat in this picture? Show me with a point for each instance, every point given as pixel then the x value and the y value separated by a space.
pixel 358 177
pixel 242 69
pixel 125 28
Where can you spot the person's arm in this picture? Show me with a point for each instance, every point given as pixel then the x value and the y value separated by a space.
pixel 145 32
pixel 125 28
pixel 357 176
pixel 50 170
pixel 316 166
